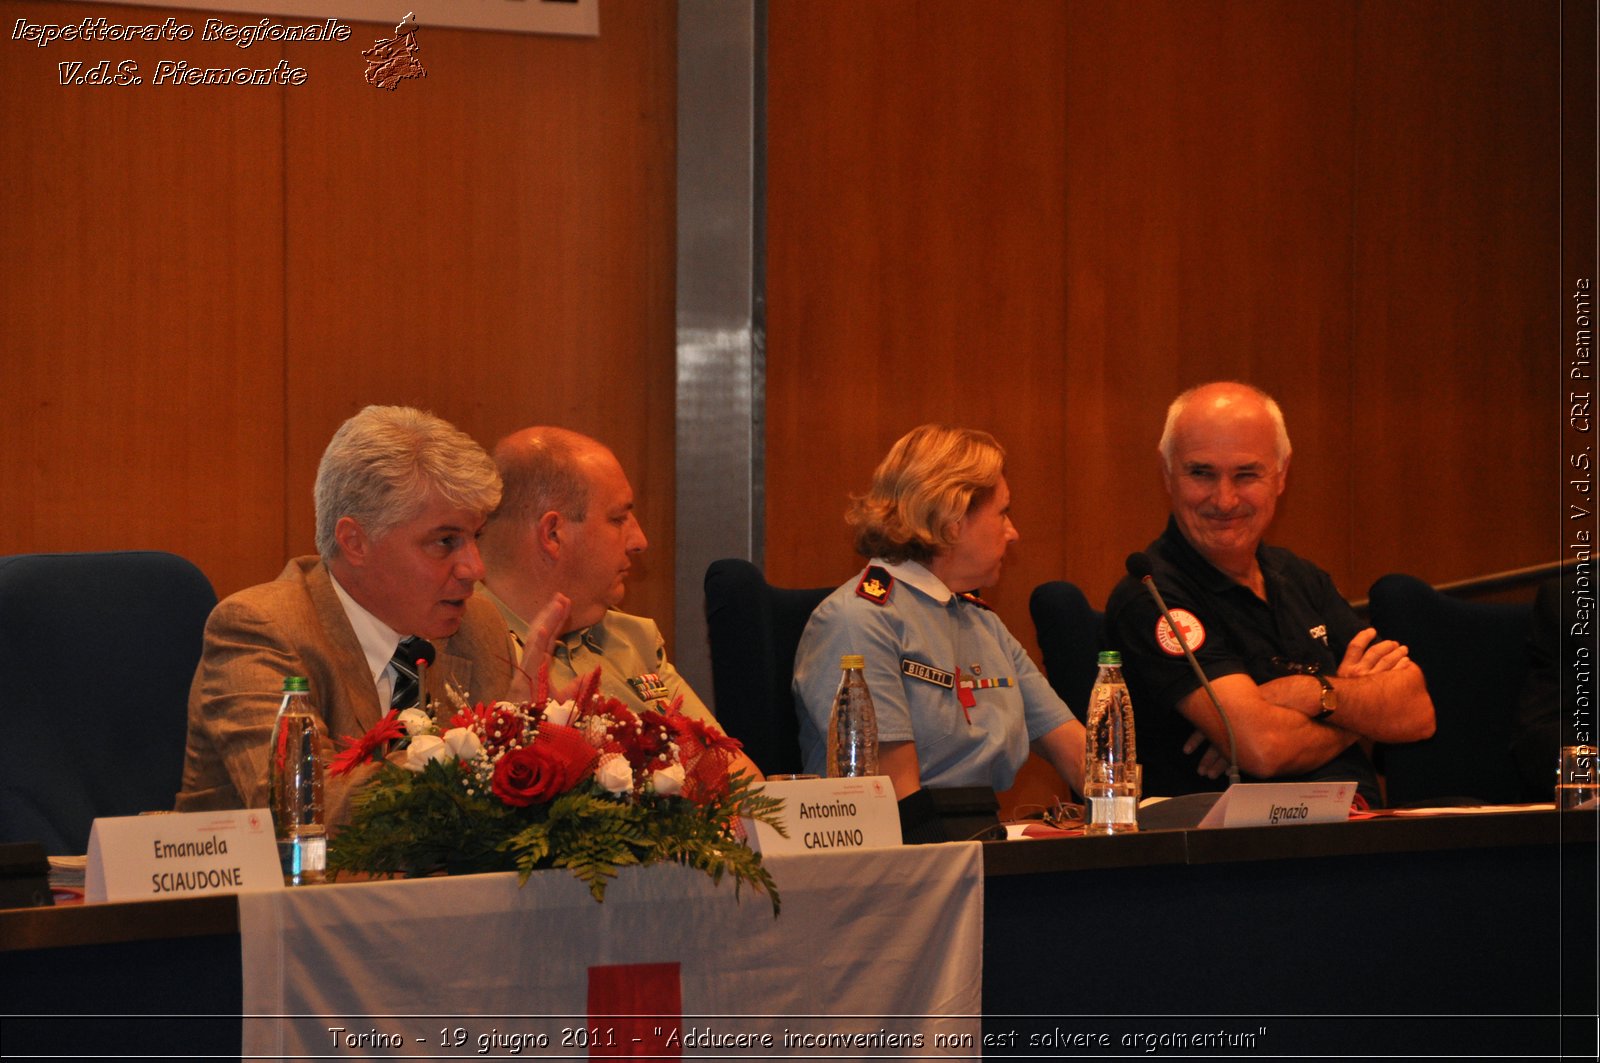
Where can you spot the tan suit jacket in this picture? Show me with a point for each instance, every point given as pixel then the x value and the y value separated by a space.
pixel 296 625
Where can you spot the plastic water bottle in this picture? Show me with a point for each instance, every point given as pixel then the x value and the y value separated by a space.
pixel 1110 763
pixel 853 726
pixel 296 771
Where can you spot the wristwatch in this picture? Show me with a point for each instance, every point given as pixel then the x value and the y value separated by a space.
pixel 1330 698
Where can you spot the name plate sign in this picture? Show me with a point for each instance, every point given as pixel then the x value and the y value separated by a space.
pixel 1281 804
pixel 143 858
pixel 822 815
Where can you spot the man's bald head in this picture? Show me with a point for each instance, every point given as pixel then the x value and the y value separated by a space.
pixel 1221 400
pixel 566 523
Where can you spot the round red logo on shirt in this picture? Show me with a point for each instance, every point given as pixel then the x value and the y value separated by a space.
pixel 1194 632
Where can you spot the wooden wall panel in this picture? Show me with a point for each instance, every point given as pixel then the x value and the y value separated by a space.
pixel 1262 190
pixel 142 257
pixel 202 282
pixel 915 207
pixel 1209 218
pixel 494 243
pixel 1185 215
pixel 1040 218
pixel 1457 294
pixel 917 210
pixel 1350 204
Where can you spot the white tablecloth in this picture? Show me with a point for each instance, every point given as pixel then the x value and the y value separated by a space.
pixel 876 954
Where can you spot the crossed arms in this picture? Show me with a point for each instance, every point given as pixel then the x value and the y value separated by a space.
pixel 1381 697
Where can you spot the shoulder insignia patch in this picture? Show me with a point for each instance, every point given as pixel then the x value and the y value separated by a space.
pixel 973 599
pixel 1194 632
pixel 875 585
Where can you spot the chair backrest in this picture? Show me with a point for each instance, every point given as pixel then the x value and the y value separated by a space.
pixel 1474 657
pixel 1069 633
pixel 97 651
pixel 754 631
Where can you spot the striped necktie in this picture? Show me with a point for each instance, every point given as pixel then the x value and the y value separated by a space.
pixel 407 689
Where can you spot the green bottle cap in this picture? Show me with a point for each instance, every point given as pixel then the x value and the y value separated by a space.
pixel 295 684
pixel 1111 657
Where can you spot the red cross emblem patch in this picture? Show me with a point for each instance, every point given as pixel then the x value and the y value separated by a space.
pixel 1194 632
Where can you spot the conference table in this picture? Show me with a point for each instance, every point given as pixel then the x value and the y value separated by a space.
pixel 1448 934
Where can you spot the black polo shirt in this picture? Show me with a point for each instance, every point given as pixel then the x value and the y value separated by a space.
pixel 1303 627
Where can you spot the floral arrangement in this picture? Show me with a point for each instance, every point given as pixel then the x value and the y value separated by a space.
pixel 574 780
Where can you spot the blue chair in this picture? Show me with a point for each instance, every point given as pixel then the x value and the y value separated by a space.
pixel 754 631
pixel 97 651
pixel 1474 656
pixel 1069 633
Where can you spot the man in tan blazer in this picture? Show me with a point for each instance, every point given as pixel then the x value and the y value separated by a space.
pixel 401 497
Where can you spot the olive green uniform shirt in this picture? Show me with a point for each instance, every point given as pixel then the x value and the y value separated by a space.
pixel 629 651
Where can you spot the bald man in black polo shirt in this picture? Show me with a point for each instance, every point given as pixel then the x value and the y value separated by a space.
pixel 1301 680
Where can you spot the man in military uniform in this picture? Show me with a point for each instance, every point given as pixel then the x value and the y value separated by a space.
pixel 1301 681
pixel 566 525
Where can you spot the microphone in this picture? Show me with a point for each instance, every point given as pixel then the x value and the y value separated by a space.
pixel 423 653
pixel 1139 567
pixel 425 650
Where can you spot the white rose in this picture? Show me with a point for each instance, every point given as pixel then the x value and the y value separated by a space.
pixel 668 781
pixel 424 748
pixel 614 773
pixel 559 712
pixel 463 743
pixel 416 722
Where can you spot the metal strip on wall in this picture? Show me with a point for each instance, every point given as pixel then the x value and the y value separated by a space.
pixel 721 281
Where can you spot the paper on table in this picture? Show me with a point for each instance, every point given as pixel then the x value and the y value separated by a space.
pixel 67 871
pixel 1468 810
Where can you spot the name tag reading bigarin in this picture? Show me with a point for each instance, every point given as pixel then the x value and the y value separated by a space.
pixel 827 815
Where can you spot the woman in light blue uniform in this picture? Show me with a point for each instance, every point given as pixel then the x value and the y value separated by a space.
pixel 959 703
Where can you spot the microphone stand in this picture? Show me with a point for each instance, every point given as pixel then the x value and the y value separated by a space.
pixel 1149 582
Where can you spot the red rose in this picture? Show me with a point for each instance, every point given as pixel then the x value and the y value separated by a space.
pixel 553 763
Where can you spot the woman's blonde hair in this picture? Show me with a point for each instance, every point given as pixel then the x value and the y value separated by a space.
pixel 927 482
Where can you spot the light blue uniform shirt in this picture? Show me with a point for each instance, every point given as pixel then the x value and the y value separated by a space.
pixel 919 622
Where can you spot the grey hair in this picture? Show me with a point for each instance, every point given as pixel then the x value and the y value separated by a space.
pixel 1181 403
pixel 382 464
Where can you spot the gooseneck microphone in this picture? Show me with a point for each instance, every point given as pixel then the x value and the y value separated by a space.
pixel 1139 568
pixel 423 653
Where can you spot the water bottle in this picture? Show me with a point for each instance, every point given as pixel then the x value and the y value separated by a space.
pixel 1110 766
pixel 296 767
pixel 853 726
